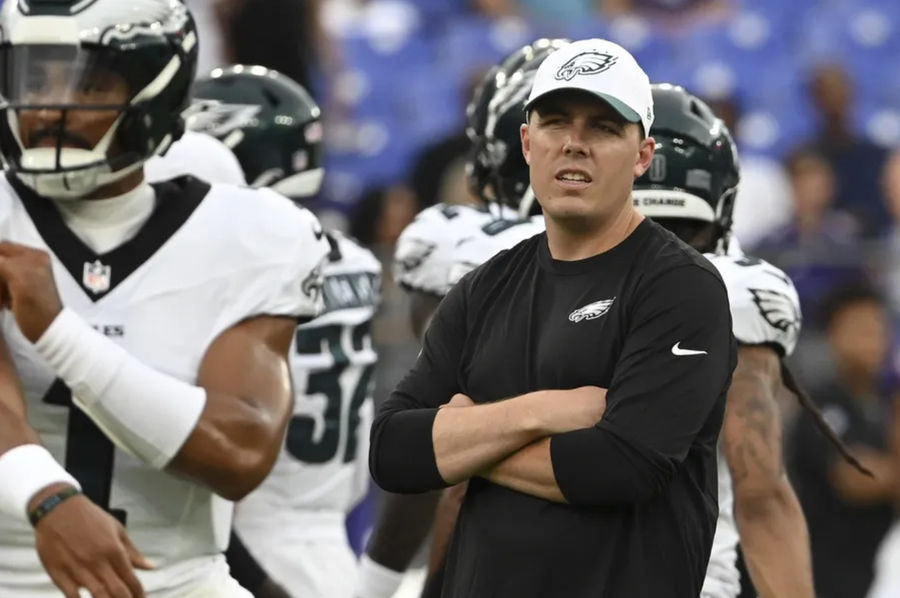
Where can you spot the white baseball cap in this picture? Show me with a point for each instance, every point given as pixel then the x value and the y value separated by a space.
pixel 602 68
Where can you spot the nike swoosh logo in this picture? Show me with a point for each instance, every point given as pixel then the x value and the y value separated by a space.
pixel 676 350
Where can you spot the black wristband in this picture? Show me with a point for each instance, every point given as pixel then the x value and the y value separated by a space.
pixel 50 503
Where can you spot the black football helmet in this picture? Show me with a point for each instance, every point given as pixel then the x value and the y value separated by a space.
pixel 270 122
pixel 67 67
pixel 480 165
pixel 509 177
pixel 693 177
pixel 477 170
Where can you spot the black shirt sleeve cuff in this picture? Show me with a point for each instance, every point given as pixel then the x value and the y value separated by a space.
pixel 596 467
pixel 401 458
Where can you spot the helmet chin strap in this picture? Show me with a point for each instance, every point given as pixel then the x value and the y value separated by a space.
pixel 69 173
pixel 724 220
pixel 74 185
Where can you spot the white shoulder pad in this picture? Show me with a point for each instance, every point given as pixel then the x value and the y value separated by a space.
pixel 280 248
pixel 351 283
pixel 353 257
pixel 765 308
pixel 199 155
pixel 423 256
pixel 493 238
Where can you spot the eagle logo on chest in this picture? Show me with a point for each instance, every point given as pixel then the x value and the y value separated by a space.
pixel 591 311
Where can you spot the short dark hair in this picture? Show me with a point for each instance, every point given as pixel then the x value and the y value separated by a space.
pixel 847 294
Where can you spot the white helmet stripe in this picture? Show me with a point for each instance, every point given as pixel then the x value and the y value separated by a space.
pixel 666 203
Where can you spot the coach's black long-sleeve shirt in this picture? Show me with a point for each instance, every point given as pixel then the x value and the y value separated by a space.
pixel 649 320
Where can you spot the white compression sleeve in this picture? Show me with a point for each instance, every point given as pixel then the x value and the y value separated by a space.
pixel 147 413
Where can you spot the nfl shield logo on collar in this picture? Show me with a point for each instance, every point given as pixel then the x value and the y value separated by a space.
pixel 96 277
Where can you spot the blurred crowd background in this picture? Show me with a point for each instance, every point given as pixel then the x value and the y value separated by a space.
pixel 811 89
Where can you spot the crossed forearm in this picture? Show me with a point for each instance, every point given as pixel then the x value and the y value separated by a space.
pixel 468 440
pixel 529 471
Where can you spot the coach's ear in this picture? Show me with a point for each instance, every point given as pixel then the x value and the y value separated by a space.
pixel 644 156
pixel 526 143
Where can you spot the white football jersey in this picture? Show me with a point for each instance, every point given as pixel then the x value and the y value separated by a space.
pixel 489 240
pixel 207 258
pixel 423 256
pixel 199 155
pixel 324 463
pixel 765 310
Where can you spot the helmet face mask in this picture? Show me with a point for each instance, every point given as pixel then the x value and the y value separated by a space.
pixel 694 174
pixel 84 114
pixel 499 171
pixel 270 122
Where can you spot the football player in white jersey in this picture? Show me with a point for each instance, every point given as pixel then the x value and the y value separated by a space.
pixel 507 173
pixel 146 329
pixel 199 155
pixel 690 189
pixel 294 524
pixel 423 256
pixel 434 251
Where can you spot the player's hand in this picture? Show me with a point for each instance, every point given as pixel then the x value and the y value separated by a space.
pixel 82 546
pixel 459 400
pixel 27 288
pixel 566 410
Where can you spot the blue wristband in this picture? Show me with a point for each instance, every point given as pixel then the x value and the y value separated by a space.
pixel 50 503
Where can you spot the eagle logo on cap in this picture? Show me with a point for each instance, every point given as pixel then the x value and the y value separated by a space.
pixel 586 63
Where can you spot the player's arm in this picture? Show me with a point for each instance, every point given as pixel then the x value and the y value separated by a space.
pixel 422 308
pixel 657 403
pixel 14 428
pixel 224 431
pixel 445 523
pixel 774 536
pixel 79 544
pixel 246 380
pixel 417 447
pixel 401 527
pixel 403 520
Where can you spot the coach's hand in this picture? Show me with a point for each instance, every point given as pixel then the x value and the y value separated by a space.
pixel 82 546
pixel 459 400
pixel 27 288
pixel 566 410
